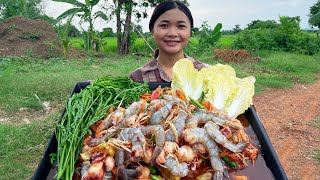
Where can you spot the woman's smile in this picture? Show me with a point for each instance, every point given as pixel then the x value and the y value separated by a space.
pixel 171 32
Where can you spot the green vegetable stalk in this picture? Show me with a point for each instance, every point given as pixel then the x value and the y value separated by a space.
pixel 84 109
pixel 231 163
pixel 195 102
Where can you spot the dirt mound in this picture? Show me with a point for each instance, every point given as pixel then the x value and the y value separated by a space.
pixel 230 55
pixel 23 37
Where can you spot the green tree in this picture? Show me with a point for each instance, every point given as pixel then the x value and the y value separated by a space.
pixel 107 32
pixel 236 29
pixel 259 24
pixel 314 15
pixel 85 12
pixel 27 8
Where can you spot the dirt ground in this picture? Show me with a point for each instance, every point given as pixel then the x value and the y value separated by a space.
pixel 286 115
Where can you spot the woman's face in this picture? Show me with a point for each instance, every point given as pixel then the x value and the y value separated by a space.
pixel 171 32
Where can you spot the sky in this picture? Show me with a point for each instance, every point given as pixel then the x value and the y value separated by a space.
pixel 227 12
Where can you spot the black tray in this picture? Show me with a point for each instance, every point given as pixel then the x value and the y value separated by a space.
pixel 267 149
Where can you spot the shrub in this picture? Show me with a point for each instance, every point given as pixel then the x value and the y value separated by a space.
pixel 286 37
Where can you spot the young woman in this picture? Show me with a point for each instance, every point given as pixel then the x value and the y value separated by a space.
pixel 170 26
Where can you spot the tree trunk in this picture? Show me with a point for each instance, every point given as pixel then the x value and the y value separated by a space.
pixel 118 11
pixel 125 37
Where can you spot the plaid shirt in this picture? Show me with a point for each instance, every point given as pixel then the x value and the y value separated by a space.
pixel 153 72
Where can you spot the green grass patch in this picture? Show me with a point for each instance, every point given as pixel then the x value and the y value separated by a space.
pixel 316 155
pixel 53 80
pixel 315 123
pixel 22 146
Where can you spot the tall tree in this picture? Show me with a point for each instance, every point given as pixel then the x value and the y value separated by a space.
pixel 124 10
pixel 314 19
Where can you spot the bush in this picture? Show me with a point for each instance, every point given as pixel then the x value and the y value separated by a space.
pixel 286 37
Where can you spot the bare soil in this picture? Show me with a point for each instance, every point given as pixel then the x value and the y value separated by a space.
pixel 286 115
pixel 23 37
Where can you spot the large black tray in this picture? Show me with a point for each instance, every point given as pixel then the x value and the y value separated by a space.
pixel 267 149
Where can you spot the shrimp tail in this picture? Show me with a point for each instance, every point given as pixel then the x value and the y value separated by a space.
pixel 133 173
pixel 122 173
pixel 157 150
pixel 218 175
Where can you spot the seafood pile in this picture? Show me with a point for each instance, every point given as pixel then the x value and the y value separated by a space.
pixel 165 136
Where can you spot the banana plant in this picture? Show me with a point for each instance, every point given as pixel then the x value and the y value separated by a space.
pixel 209 38
pixel 85 12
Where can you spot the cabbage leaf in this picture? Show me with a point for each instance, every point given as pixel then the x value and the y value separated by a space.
pixel 243 98
pixel 187 79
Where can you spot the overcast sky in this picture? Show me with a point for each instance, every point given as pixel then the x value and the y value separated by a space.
pixel 227 12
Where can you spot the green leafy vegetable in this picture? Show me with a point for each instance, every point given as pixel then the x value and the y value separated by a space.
pixel 187 79
pixel 219 84
pixel 222 84
pixel 84 109
pixel 243 97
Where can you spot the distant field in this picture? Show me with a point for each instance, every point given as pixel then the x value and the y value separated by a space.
pixel 140 46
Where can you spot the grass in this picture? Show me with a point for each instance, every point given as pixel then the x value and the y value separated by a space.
pixel 22 146
pixel 315 123
pixel 52 80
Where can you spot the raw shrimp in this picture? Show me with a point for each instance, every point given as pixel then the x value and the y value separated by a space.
pixel 173 99
pixel 158 132
pixel 169 148
pixel 119 161
pixel 179 124
pixel 202 117
pixel 136 108
pixel 213 131
pixel 130 121
pixel 113 118
pixel 161 114
pixel 176 168
pixel 185 154
pixel 199 148
pixel 156 104
pixel 199 135
pixel 135 136
pixel 109 163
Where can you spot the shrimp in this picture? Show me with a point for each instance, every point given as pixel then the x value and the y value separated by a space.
pixel 213 131
pixel 131 121
pixel 173 99
pixel 113 118
pixel 199 135
pixel 119 161
pixel 161 114
pixel 176 168
pixel 199 148
pixel 135 136
pixel 169 148
pixel 185 154
pixel 179 124
pixel 158 132
pixel 136 108
pixel 202 117
pixel 156 104
pixel 109 163
pixel 95 171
